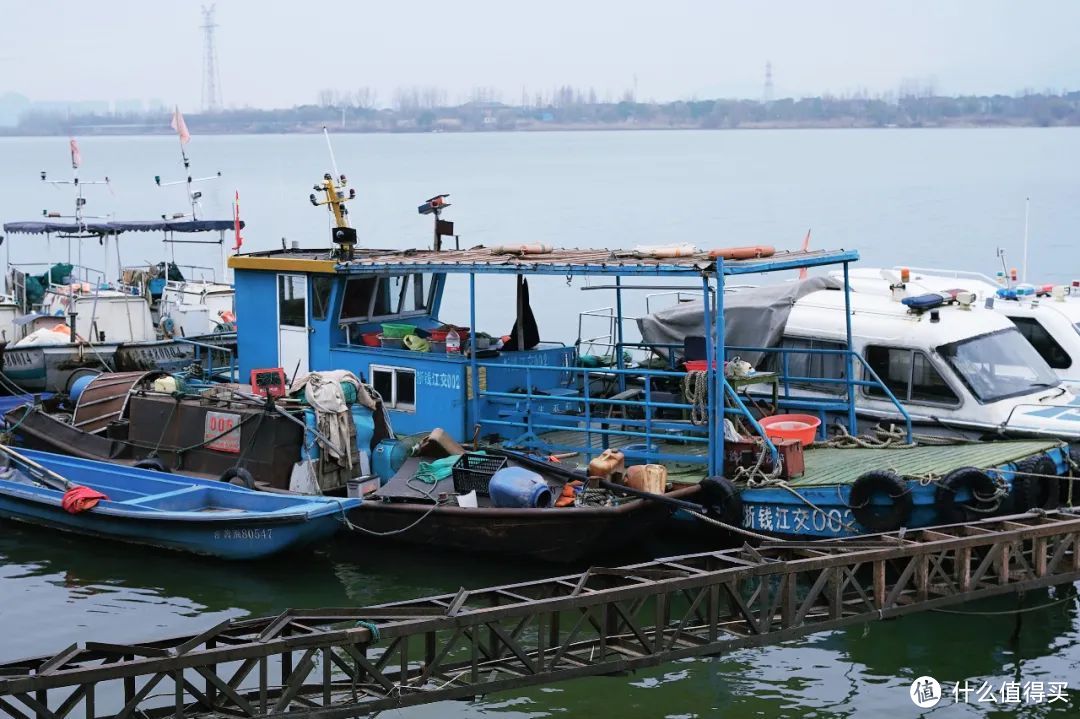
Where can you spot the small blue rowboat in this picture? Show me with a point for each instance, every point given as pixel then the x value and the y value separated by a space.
pixel 147 507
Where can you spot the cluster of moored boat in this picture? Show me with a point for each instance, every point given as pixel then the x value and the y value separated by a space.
pixel 852 402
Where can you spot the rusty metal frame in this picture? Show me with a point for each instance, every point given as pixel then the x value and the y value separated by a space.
pixel 353 661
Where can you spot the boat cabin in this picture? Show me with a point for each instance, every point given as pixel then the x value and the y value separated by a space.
pixel 957 366
pixel 379 314
pixel 1047 316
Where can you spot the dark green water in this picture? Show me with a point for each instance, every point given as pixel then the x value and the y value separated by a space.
pixel 944 198
pixel 55 589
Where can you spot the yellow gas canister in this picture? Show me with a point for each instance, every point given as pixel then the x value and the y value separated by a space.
pixel 647 478
pixel 610 461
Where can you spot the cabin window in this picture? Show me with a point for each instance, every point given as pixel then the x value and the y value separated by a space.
pixel 1043 342
pixel 396 386
pixel 320 296
pixel 809 366
pixel 909 375
pixel 356 304
pixel 292 300
pixel 373 298
pixel 416 293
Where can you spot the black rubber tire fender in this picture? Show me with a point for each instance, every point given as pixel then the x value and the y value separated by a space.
pixel 1071 480
pixel 238 476
pixel 722 500
pixel 1032 489
pixel 879 482
pixel 153 464
pixel 973 479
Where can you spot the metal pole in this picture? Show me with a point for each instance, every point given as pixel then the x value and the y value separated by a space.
pixel 619 334
pixel 473 365
pixel 710 354
pixel 849 366
pixel 717 417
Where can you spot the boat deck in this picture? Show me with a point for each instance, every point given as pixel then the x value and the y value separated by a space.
pixel 826 466
pixel 829 466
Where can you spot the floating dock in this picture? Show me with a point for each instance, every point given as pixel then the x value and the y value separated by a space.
pixel 352 661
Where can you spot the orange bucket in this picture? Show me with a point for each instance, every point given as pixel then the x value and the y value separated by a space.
pixel 800 427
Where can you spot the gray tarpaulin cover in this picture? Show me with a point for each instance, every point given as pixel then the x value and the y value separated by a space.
pixel 753 317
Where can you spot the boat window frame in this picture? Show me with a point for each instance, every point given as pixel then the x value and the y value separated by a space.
pixel 941 351
pixel 391 402
pixel 867 390
pixel 1018 319
pixel 320 310
pixel 813 343
pixel 429 298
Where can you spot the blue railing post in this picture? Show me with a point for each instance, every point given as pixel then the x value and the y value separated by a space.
pixel 619 332
pixel 588 418
pixel 849 366
pixel 473 366
pixel 710 356
pixel 720 380
pixel 648 414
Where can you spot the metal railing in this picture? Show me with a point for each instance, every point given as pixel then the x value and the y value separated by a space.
pixel 230 366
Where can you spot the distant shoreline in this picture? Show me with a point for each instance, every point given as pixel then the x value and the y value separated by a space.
pixel 155 130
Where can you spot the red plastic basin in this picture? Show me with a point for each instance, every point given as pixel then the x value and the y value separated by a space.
pixel 800 427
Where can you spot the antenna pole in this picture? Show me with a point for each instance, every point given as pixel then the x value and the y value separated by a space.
pixel 330 147
pixel 1027 212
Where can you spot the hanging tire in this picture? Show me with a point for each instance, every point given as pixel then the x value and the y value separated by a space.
pixel 881 517
pixel 153 464
pixel 238 476
pixel 979 484
pixel 722 500
pixel 1032 489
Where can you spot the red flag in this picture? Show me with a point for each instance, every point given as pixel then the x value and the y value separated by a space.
pixel 76 158
pixel 805 247
pixel 236 222
pixel 180 126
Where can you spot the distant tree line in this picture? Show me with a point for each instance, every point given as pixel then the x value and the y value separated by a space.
pixel 426 109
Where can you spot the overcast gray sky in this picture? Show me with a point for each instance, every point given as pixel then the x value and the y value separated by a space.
pixel 275 53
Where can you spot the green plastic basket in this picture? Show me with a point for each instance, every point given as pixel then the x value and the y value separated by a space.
pixel 397 331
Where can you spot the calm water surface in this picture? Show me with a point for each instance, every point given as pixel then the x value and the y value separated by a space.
pixel 947 198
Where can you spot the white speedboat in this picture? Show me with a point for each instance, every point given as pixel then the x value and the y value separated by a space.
pixel 952 366
pixel 1047 315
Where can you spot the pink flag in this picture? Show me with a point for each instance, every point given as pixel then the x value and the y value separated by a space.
pixel 805 247
pixel 180 126
pixel 76 158
pixel 236 222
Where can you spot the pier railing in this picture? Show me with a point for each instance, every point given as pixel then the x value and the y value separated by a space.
pixel 345 662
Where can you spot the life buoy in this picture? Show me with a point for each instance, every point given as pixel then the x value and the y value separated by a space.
pixel 722 500
pixel 238 476
pixel 881 517
pixel 983 489
pixel 1032 488
pixel 742 253
pixel 153 464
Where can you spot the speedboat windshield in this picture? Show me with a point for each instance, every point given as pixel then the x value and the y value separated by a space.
pixel 999 365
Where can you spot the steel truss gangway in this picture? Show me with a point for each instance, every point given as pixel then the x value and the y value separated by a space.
pixel 357 660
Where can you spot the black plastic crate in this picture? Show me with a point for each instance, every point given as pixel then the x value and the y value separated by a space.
pixel 474 471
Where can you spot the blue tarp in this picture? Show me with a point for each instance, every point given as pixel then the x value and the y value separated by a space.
pixel 113 227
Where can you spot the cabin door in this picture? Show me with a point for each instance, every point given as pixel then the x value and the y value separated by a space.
pixel 293 327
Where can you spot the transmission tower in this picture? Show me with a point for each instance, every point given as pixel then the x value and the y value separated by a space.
pixel 211 89
pixel 767 93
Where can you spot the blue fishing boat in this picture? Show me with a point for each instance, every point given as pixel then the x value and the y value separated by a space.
pixel 703 407
pixel 146 507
